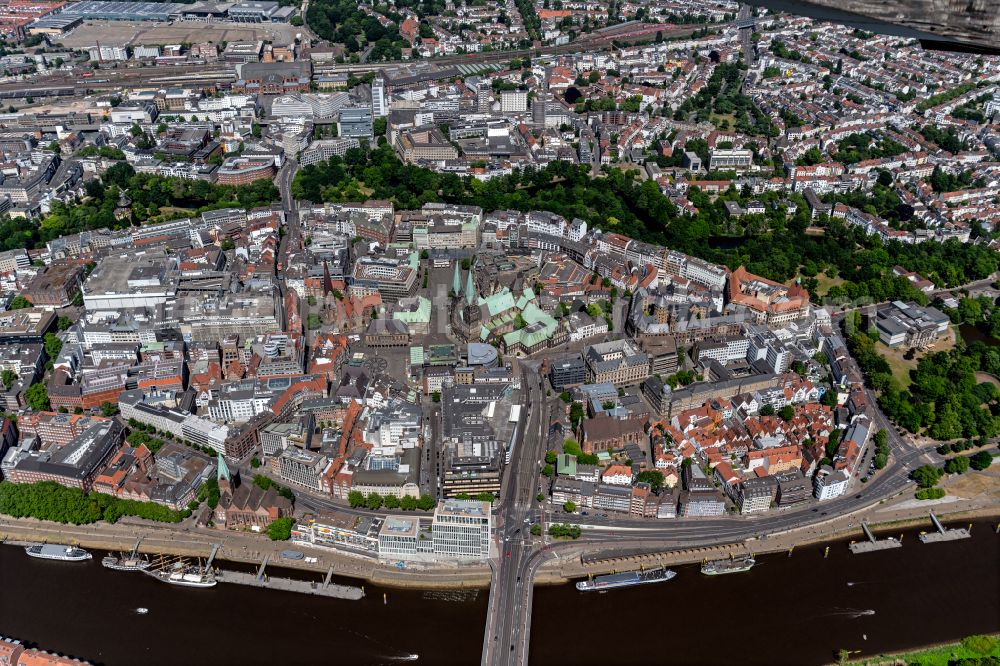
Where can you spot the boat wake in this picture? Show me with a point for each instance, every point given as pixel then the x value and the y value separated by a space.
pixel 384 660
pixel 853 613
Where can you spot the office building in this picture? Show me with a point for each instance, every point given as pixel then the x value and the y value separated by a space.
pixel 730 160
pixel 461 529
pixel 402 538
pixel 617 362
pixel 356 121
pixel 567 373
pixel 75 464
pixel 302 468
pixel 514 101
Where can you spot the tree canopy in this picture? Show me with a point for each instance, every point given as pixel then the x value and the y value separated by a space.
pixel 149 194
pixel 281 529
pixel 47 500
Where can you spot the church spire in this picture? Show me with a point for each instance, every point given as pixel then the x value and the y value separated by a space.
pixel 470 289
pixel 456 282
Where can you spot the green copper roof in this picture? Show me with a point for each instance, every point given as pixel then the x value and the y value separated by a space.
pixel 526 297
pixel 456 282
pixel 499 302
pixel 223 469
pixel 565 464
pixel 416 355
pixel 533 315
pixel 421 315
pixel 470 289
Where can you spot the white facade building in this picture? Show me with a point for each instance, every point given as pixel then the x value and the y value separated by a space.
pixel 461 529
pixel 829 484
pixel 514 101
pixel 380 105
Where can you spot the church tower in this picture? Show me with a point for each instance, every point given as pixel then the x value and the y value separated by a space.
pixel 471 313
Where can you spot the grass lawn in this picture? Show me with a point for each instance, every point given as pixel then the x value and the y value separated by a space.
pixel 175 210
pixel 717 118
pixel 826 282
pixel 901 367
pixel 941 655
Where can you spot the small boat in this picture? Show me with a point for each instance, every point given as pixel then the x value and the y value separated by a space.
pixel 292 554
pixel 732 565
pixel 141 611
pixel 125 563
pixel 53 551
pixel 625 579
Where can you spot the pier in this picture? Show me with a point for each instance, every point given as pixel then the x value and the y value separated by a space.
pixel 871 544
pixel 211 557
pixel 325 588
pixel 943 533
pixel 263 565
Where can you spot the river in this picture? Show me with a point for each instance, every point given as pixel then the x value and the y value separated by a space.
pixel 787 610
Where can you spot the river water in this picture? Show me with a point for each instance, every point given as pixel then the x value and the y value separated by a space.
pixel 788 610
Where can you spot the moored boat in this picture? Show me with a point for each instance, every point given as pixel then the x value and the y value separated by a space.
pixel 54 551
pixel 732 565
pixel 189 577
pixel 125 563
pixel 625 579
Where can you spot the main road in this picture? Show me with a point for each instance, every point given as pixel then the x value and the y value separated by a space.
pixel 506 637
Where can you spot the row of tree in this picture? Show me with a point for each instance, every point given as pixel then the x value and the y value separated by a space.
pixel 47 500
pixel 927 476
pixel 374 501
pixel 881 440
pixel 562 531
